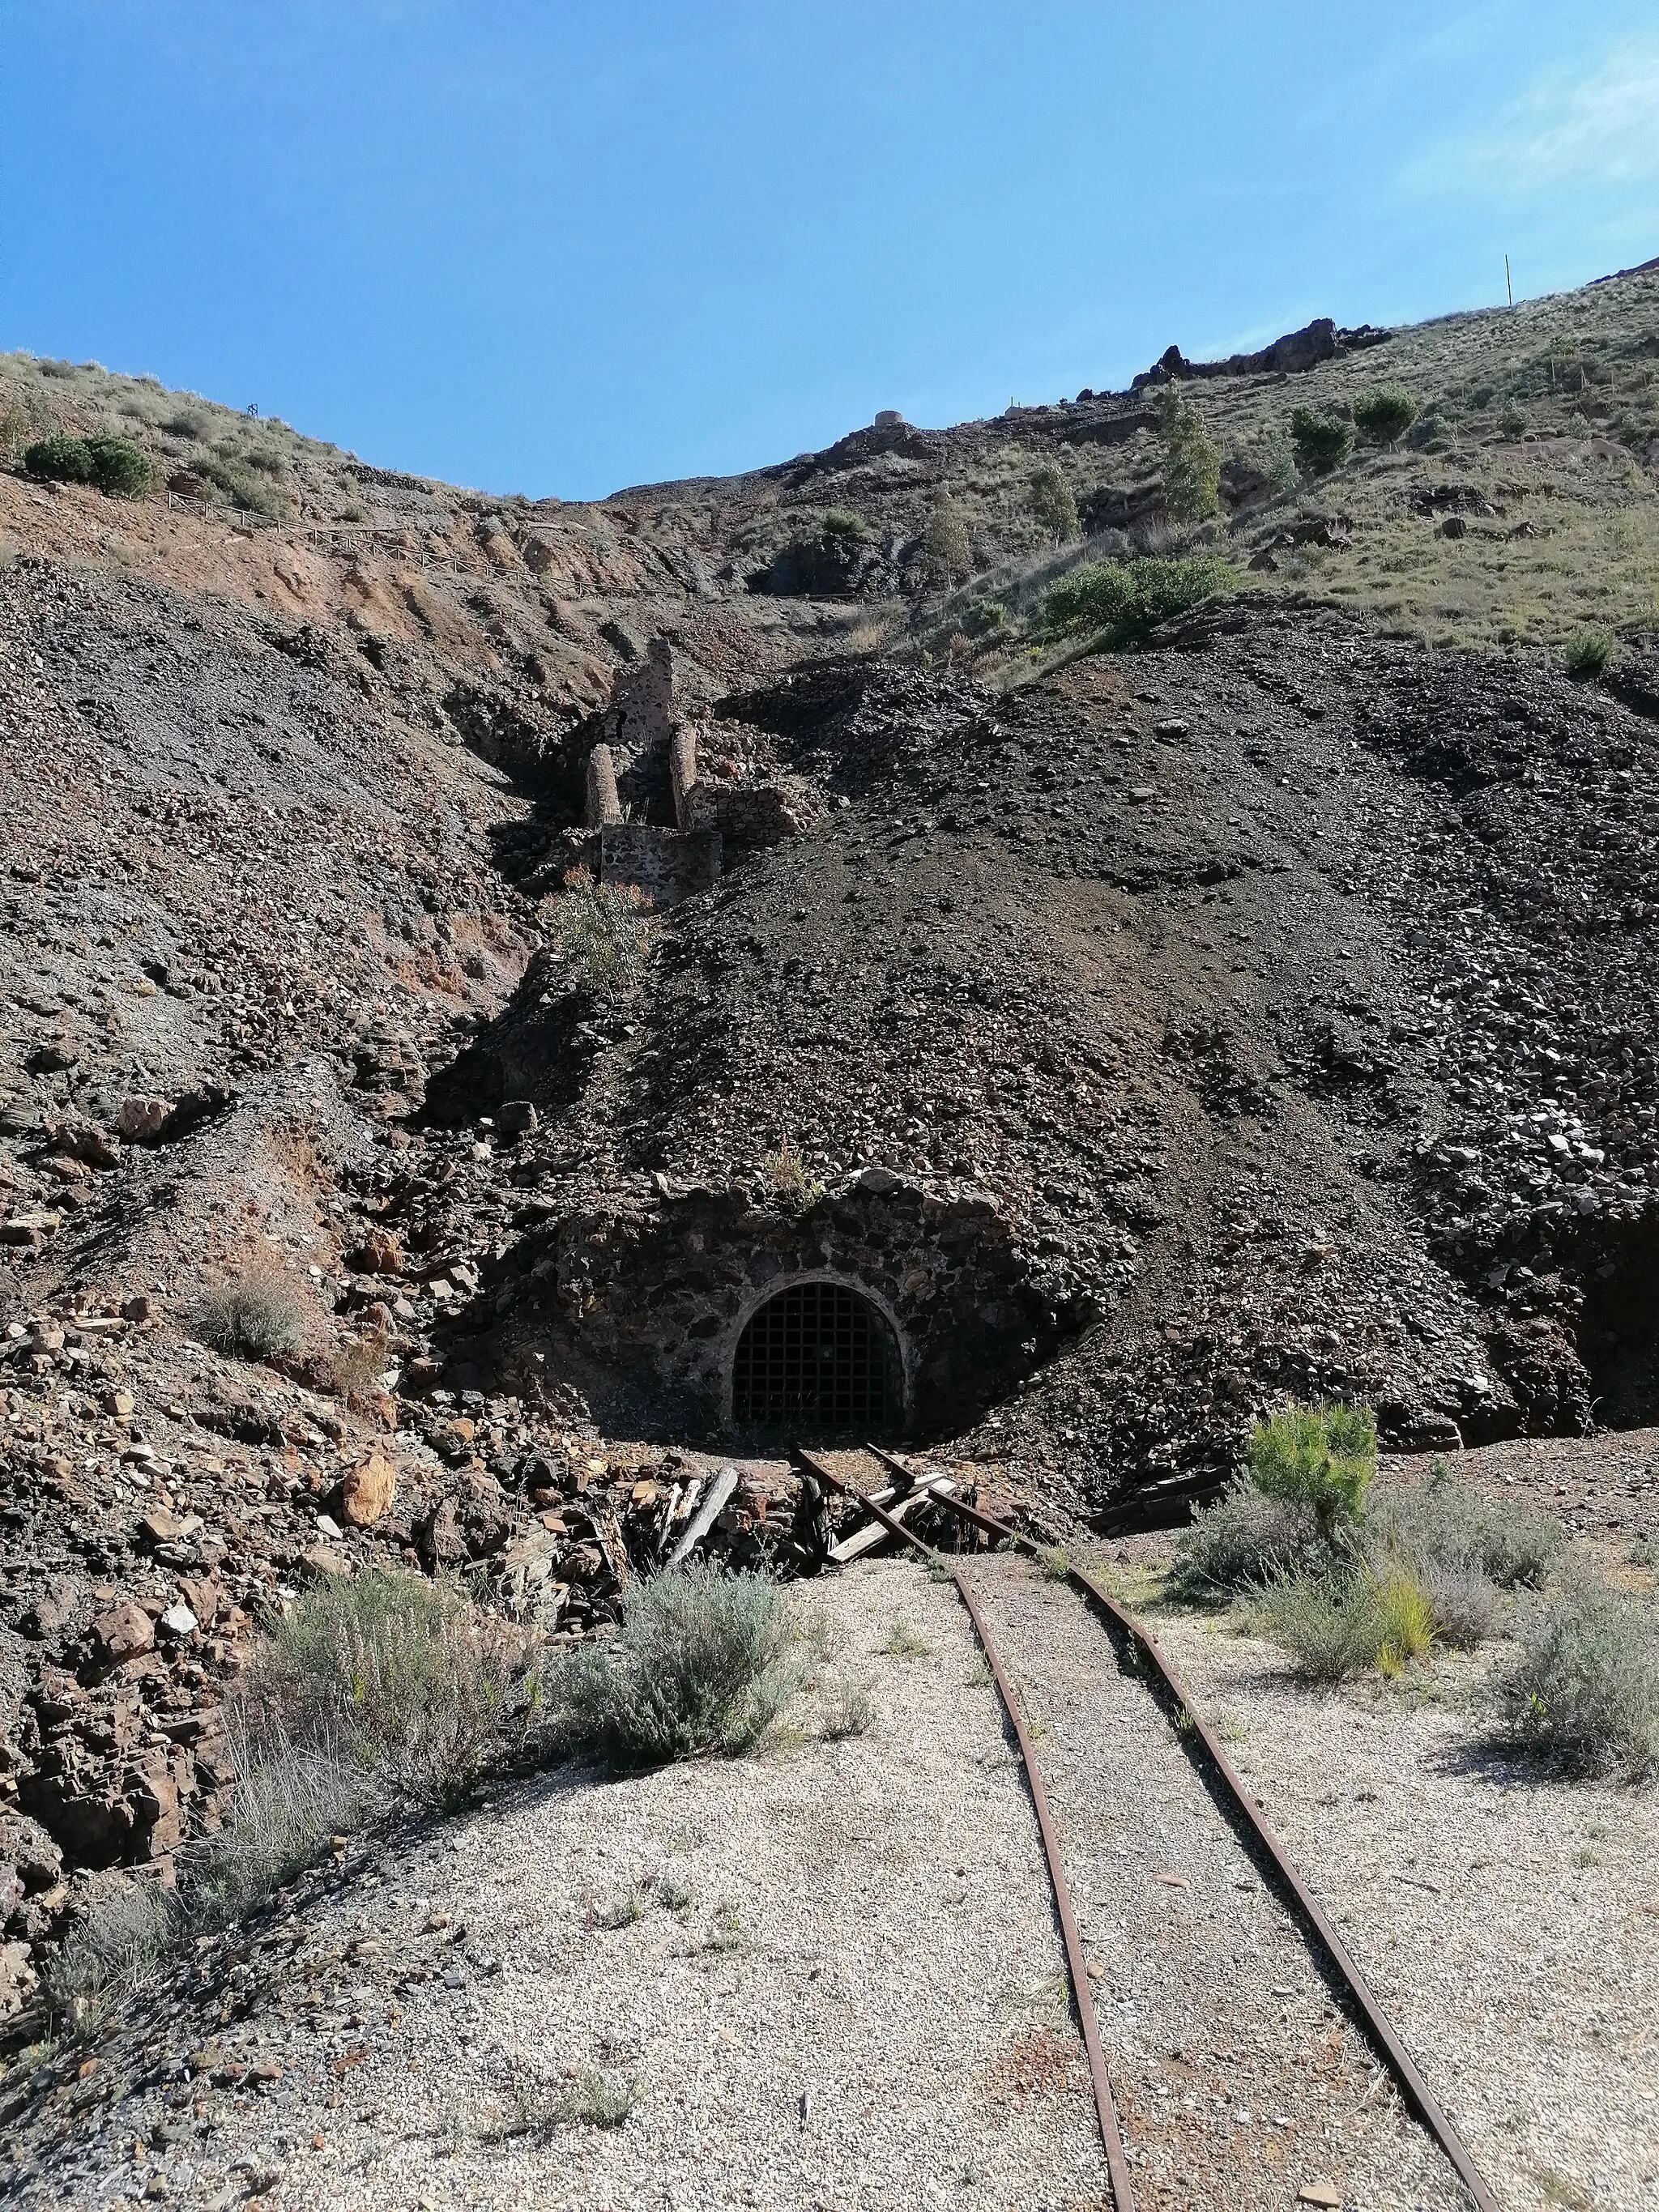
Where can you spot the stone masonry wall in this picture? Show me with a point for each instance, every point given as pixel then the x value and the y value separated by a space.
pixel 640 1308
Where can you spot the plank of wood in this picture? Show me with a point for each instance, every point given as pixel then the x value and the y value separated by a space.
pixel 706 1514
pixel 874 1533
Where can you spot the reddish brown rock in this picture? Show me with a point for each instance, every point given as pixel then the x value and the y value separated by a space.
pixel 369 1489
pixel 380 1254
pixel 139 1120
pixel 125 1631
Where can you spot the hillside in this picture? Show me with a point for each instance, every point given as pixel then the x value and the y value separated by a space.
pixel 1116 1040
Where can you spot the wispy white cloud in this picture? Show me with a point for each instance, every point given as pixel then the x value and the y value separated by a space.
pixel 1567 128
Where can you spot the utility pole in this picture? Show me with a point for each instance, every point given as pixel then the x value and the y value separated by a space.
pixel 1508 287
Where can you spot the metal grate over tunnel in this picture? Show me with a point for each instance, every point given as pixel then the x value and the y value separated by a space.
pixel 817 1360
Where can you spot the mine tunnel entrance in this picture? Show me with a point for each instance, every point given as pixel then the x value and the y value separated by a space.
pixel 1618 1334
pixel 818 1360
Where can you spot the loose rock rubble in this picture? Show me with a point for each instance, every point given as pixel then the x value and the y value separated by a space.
pixel 1270 1011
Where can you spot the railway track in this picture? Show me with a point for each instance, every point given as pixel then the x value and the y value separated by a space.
pixel 1201 1794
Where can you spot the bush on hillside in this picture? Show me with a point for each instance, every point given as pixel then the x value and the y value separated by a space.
pixel 259 1314
pixel 1241 1542
pixel 59 459
pixel 111 464
pixel 1054 508
pixel 1192 461
pixel 1126 599
pixel 606 928
pixel 120 469
pixel 1585 1690
pixel 1384 414
pixel 1588 652
pixel 1320 1458
pixel 243 489
pixel 699 1665
pixel 949 552
pixel 1320 442
pixel 403 1680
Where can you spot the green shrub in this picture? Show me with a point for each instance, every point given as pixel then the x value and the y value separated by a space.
pixel 1192 461
pixel 111 464
pixel 1320 1457
pixel 1463 1601
pixel 1589 652
pixel 1126 599
pixel 120 469
pixel 1512 421
pixel 242 488
pixel 1442 1523
pixel 948 553
pixel 787 1174
pixel 607 928
pixel 841 522
pixel 1585 1690
pixel 1241 1542
pixel 59 459
pixel 1053 509
pixel 1384 414
pixel 401 1679
pixel 1320 442
pixel 258 1315
pixel 700 1664
pixel 1336 1625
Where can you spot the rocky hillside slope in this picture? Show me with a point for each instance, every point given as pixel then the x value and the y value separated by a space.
pixel 1270 1009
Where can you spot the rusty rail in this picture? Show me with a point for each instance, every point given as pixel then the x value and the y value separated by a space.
pixel 1076 1966
pixel 1404 2067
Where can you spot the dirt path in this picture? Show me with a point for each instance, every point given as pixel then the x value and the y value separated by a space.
pixel 830 1978
pixel 1239 2078
pixel 1507 1920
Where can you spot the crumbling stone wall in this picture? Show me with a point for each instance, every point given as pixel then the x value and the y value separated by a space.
pixel 666 865
pixel 604 807
pixel 641 1306
pixel 640 715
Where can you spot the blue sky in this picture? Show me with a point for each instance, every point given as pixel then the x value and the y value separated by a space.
pixel 562 246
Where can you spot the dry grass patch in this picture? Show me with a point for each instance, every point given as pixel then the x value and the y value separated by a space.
pixel 259 1313
pixel 1584 1691
pixel 702 1664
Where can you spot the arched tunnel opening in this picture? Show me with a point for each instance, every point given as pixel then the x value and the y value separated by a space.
pixel 817 1360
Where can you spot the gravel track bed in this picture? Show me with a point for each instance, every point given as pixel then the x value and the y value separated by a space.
pixel 1239 2078
pixel 1509 1923
pixel 845 1988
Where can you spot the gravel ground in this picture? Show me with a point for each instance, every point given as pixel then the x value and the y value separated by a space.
pixel 1240 2078
pixel 1606 1484
pixel 844 1988
pixel 1510 1925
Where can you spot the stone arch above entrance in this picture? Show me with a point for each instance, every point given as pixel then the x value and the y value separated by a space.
pixel 818 1358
